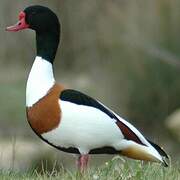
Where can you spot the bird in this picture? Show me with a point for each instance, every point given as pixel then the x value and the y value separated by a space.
pixel 68 119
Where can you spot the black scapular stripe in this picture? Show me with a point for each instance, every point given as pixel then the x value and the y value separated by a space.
pixel 83 99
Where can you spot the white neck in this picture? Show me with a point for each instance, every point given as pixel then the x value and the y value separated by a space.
pixel 40 80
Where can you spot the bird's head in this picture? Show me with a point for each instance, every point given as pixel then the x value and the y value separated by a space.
pixel 39 18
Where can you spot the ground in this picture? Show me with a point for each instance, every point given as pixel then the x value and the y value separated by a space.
pixel 116 169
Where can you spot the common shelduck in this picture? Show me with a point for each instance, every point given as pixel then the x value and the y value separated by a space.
pixel 67 119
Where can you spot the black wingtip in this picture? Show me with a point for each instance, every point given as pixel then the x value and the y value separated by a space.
pixel 162 153
pixel 159 149
pixel 165 164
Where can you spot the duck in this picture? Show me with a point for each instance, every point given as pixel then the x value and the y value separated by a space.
pixel 68 119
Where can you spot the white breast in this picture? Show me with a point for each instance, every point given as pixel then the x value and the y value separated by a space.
pixel 85 128
pixel 40 80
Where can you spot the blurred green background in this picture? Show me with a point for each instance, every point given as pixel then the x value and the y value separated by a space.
pixel 125 53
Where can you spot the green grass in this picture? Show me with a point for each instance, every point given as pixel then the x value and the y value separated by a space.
pixel 116 169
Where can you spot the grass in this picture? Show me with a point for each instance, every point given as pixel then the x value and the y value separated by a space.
pixel 116 169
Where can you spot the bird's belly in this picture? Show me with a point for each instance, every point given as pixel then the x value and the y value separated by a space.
pixel 84 128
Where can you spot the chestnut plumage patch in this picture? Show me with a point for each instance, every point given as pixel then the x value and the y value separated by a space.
pixel 45 115
pixel 128 133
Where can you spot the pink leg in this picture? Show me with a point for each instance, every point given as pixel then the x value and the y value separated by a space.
pixel 82 162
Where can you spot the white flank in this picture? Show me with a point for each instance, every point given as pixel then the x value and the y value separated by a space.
pixel 40 80
pixel 85 128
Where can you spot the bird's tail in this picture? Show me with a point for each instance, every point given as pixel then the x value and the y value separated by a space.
pixel 149 152
pixel 163 154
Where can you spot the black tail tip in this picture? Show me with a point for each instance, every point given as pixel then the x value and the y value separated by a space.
pixel 165 162
pixel 162 153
